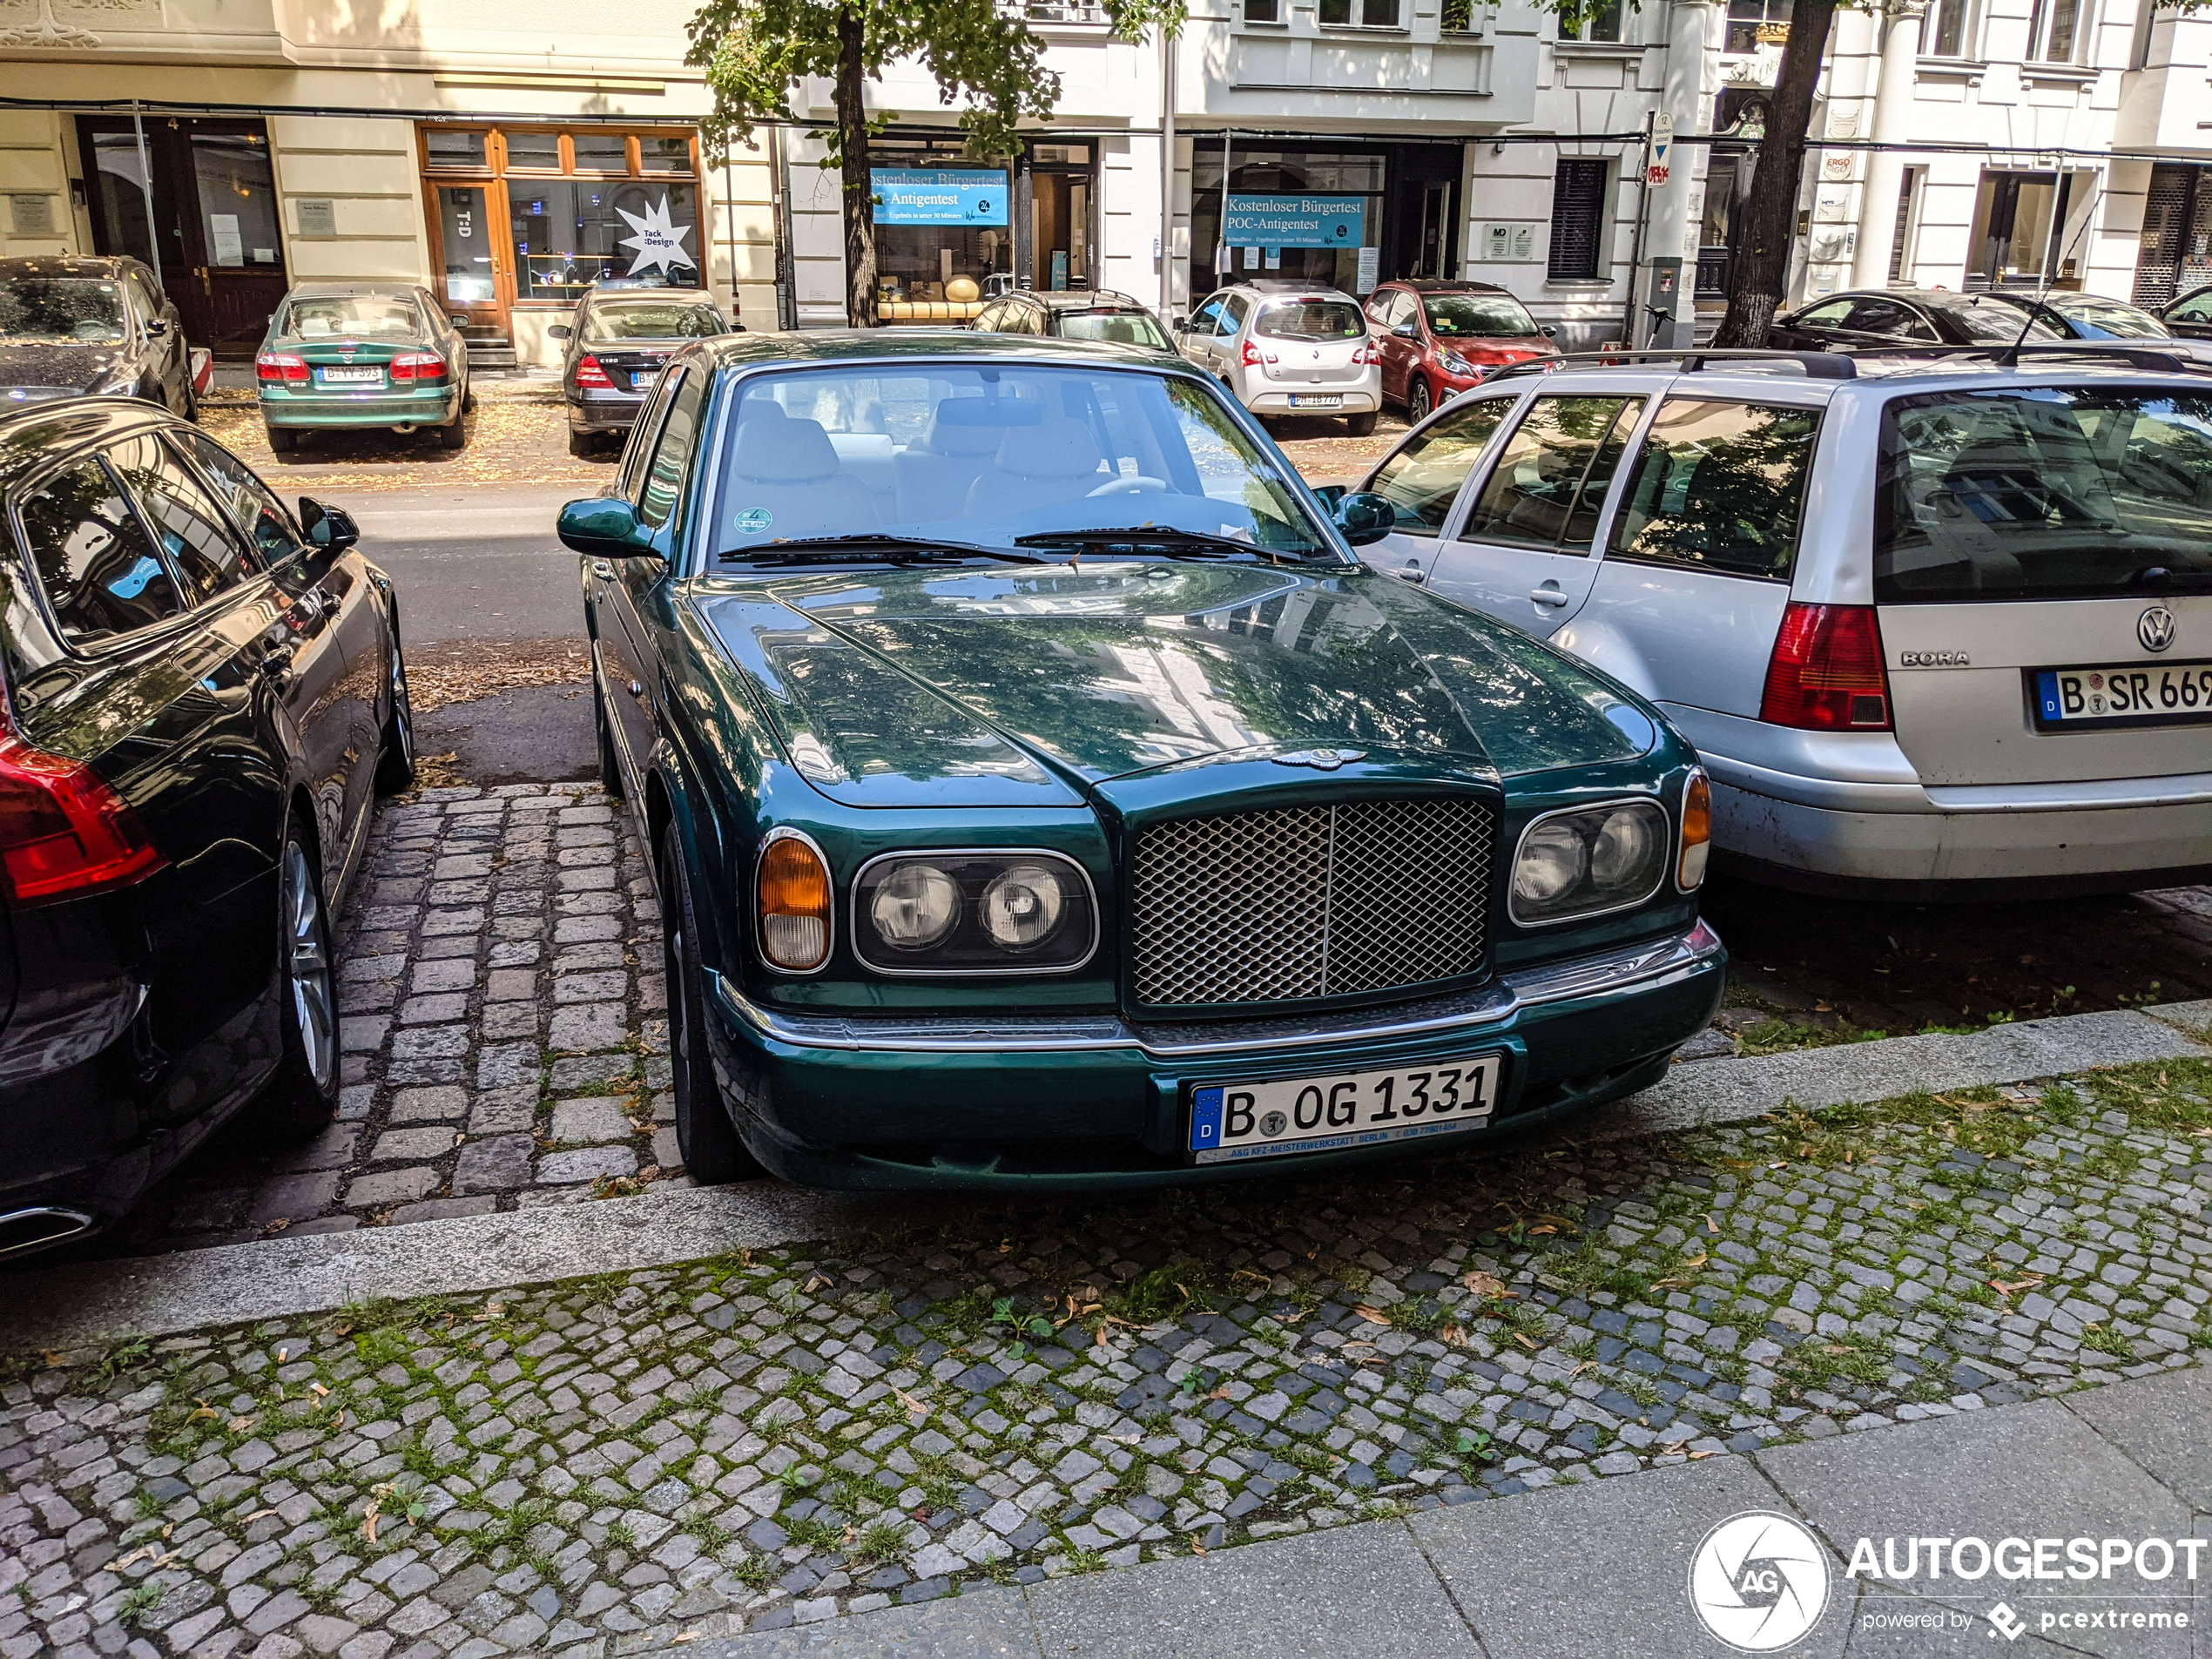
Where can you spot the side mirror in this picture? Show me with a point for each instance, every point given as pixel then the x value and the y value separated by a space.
pixel 1331 495
pixel 605 526
pixel 330 530
pixel 1180 324
pixel 1407 330
pixel 558 331
pixel 1364 518
pixel 156 328
pixel 459 320
pixel 1550 332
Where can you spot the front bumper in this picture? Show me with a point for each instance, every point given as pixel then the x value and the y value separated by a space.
pixel 1096 1101
pixel 437 406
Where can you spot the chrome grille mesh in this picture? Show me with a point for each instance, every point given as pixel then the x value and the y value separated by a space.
pixel 1305 902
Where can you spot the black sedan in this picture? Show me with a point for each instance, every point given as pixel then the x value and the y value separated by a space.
pixel 615 346
pixel 1875 319
pixel 203 694
pixel 69 327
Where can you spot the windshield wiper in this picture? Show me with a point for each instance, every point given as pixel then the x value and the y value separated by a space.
pixel 2160 578
pixel 898 550
pixel 1179 543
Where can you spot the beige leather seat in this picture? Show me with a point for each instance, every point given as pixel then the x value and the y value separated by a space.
pixel 964 434
pixel 785 480
pixel 1041 466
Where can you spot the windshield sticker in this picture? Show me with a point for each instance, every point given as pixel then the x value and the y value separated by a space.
pixel 753 520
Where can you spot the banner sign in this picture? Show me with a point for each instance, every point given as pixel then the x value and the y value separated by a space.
pixel 1295 221
pixel 938 196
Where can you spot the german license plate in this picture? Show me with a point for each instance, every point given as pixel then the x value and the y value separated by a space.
pixel 641 378
pixel 1316 399
pixel 2125 694
pixel 368 375
pixel 1344 1109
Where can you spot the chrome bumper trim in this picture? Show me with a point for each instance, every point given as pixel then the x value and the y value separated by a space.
pixel 1487 1005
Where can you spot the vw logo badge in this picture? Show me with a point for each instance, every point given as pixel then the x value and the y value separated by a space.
pixel 1760 1583
pixel 2155 628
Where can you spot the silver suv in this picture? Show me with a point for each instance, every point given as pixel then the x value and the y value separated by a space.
pixel 1940 625
pixel 1288 348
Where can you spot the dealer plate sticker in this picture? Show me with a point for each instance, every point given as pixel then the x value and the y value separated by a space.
pixel 1237 1121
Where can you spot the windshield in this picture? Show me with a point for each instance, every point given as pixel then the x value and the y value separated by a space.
pixel 353 316
pixel 666 320
pixel 1998 323
pixel 1479 316
pixel 1312 320
pixel 60 308
pixel 2041 492
pixel 987 455
pixel 1129 327
pixel 2111 318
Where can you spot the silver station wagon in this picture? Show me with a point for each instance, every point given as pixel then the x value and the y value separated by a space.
pixel 1940 625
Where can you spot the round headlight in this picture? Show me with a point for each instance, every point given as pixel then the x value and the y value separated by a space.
pixel 915 906
pixel 1551 861
pixel 1023 905
pixel 1621 852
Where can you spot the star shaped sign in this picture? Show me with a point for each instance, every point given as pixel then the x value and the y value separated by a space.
pixel 659 243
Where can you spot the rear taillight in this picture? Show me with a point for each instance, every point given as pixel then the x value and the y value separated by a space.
pixel 279 366
pixel 418 366
pixel 1250 356
pixel 63 831
pixel 1826 672
pixel 1369 351
pixel 587 372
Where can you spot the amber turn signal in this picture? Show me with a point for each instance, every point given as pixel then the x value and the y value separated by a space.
pixel 1696 831
pixel 794 890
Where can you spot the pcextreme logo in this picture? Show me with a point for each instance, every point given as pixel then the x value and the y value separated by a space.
pixel 1759 1581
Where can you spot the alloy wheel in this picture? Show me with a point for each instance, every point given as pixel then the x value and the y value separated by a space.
pixel 1417 404
pixel 308 966
pixel 402 708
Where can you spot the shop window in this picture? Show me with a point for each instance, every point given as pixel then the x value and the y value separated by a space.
pixel 1754 24
pixel 461 150
pixel 1363 14
pixel 600 151
pixel 941 233
pixel 665 155
pixel 1578 221
pixel 1263 185
pixel 571 233
pixel 1603 25
pixel 533 151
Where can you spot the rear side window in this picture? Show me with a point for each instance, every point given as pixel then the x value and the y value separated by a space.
pixel 1550 482
pixel 1128 327
pixel 2041 492
pixel 99 569
pixel 253 508
pixel 1421 480
pixel 195 533
pixel 1719 487
pixel 1312 320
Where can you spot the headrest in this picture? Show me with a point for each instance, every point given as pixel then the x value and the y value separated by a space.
pixel 782 452
pixel 1061 447
pixel 974 426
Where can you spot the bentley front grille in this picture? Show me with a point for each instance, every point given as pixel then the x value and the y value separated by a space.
pixel 1308 901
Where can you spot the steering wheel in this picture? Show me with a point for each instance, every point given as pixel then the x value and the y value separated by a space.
pixel 1137 486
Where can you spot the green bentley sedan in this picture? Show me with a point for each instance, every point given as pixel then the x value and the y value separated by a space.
pixel 1043 795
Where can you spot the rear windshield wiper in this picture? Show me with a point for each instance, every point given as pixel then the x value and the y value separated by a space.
pixel 898 550
pixel 2159 578
pixel 1195 544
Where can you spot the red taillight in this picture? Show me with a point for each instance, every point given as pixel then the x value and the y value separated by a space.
pixel 1826 672
pixel 64 833
pixel 279 366
pixel 418 366
pixel 587 372
pixel 1370 351
pixel 1251 355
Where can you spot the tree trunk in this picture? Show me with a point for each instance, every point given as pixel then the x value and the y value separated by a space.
pixel 859 194
pixel 1770 227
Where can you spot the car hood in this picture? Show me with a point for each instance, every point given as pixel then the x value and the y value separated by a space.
pixel 1028 687
pixel 70 367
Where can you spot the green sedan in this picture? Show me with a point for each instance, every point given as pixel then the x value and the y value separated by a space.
pixel 1043 795
pixel 341 354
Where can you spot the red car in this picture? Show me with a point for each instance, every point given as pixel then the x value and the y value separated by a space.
pixel 1440 338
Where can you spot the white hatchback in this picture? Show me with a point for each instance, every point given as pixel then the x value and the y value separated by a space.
pixel 1940 628
pixel 1288 349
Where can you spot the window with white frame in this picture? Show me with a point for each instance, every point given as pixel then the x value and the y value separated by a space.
pixel 1360 14
pixel 1264 11
pixel 1946 29
pixel 1603 23
pixel 2058 31
pixel 1754 24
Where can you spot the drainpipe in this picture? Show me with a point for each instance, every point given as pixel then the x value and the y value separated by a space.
pixel 779 198
pixel 1893 94
pixel 145 184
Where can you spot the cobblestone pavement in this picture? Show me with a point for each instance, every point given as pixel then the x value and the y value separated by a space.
pixel 502 1024
pixel 778 1436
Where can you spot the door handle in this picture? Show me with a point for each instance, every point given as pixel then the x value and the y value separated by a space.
pixel 1413 573
pixel 604 570
pixel 1548 596
pixel 636 691
pixel 277 662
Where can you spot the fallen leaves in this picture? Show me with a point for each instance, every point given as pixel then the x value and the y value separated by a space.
pixel 1373 1315
pixel 1485 1285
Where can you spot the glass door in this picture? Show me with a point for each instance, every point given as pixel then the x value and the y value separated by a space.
pixel 472 285
pixel 239 229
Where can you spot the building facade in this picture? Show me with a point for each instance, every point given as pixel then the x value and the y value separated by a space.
pixel 502 155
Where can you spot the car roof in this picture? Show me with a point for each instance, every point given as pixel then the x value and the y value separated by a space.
pixel 31 433
pixel 1437 285
pixel 600 298
pixel 824 346
pixel 68 265
pixel 1876 374
pixel 1076 299
pixel 1273 291
pixel 350 290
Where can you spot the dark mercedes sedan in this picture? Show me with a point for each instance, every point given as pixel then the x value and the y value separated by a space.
pixel 203 694
pixel 615 348
pixel 1892 317
pixel 71 326
pixel 1043 795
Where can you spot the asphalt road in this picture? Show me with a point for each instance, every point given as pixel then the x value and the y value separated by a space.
pixel 476 561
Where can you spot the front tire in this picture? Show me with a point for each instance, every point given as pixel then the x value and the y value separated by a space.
pixel 301 1100
pixel 1418 402
pixel 395 763
pixel 713 1155
pixel 610 763
pixel 1360 426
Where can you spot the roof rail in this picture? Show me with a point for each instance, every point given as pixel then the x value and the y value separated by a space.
pixel 1815 365
pixel 2151 357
